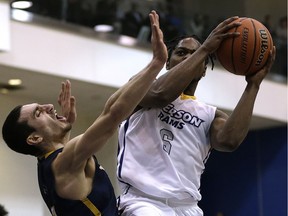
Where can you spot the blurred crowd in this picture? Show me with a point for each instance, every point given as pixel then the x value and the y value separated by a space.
pixel 134 23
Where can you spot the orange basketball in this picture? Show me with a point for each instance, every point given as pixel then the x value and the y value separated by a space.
pixel 247 53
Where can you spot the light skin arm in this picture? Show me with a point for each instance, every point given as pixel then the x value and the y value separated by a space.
pixel 119 106
pixel 170 85
pixel 227 133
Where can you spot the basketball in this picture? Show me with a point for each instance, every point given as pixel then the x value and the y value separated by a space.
pixel 248 52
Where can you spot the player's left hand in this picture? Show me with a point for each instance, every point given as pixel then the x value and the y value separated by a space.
pixel 159 48
pixel 67 102
pixel 260 75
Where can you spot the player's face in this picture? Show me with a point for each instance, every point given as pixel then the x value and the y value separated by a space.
pixel 44 119
pixel 183 50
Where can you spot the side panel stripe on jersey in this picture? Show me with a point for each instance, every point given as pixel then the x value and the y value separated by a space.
pixel 91 206
pixel 124 145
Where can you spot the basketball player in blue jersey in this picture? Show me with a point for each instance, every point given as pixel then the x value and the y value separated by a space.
pixel 165 143
pixel 71 181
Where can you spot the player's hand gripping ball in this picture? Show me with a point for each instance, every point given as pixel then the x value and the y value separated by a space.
pixel 247 53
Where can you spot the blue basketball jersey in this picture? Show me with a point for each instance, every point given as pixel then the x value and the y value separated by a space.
pixel 101 200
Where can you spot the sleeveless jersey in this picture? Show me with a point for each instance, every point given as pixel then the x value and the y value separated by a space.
pixel 162 151
pixel 101 201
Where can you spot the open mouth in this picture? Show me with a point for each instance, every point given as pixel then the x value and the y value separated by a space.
pixel 58 117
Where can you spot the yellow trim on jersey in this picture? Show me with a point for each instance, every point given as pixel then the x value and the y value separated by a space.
pixel 91 206
pixel 46 155
pixel 185 97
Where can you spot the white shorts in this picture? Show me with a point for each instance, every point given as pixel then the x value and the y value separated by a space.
pixel 136 203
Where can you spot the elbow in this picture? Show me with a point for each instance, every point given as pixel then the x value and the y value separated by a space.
pixel 227 146
pixel 157 99
pixel 115 112
pixel 163 99
pixel 231 146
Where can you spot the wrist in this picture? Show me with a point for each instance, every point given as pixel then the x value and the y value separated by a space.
pixel 157 63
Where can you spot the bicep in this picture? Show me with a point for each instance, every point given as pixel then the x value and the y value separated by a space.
pixel 78 150
pixel 95 137
pixel 159 94
pixel 216 137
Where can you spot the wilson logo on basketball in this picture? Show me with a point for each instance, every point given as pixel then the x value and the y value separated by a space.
pixel 264 46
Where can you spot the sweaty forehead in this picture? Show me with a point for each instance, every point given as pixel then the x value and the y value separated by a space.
pixel 189 43
pixel 27 111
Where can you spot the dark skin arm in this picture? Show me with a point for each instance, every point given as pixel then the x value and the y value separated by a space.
pixel 170 85
pixel 227 133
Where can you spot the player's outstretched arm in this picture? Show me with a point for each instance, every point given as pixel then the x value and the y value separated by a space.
pixel 228 133
pixel 171 84
pixel 118 107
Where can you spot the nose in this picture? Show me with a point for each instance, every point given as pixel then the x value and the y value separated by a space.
pixel 47 107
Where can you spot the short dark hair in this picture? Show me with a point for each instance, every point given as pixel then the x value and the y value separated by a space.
pixel 15 133
pixel 171 46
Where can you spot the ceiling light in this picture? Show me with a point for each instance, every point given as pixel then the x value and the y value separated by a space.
pixel 21 15
pixel 127 41
pixel 15 82
pixel 103 28
pixel 21 4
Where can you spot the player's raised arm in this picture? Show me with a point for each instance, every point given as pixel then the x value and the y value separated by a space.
pixel 121 104
pixel 171 84
pixel 228 133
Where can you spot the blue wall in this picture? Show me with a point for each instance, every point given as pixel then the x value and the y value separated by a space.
pixel 252 181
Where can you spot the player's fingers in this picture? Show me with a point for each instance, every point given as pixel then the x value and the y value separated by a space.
pixel 60 96
pixel 228 24
pixel 271 59
pixel 230 34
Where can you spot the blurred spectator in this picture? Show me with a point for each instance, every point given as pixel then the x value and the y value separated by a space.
pixel 207 26
pixel 280 41
pixel 87 12
pixel 73 13
pixel 267 22
pixel 173 26
pixel 197 25
pixel 54 8
pixel 132 21
pixel 105 12
pixel 3 211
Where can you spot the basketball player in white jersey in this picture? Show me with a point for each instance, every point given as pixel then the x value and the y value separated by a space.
pixel 165 143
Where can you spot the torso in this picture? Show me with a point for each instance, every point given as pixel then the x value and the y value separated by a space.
pixel 172 143
pixel 97 188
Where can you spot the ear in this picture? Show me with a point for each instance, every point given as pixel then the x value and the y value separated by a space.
pixel 34 139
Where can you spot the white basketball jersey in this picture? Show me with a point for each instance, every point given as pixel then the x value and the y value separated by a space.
pixel 162 151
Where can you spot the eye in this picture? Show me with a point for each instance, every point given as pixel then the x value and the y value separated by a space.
pixel 181 52
pixel 37 113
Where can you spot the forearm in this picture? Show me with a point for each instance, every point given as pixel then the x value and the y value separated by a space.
pixel 171 84
pixel 237 125
pixel 124 100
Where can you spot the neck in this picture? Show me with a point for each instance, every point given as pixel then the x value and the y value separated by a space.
pixel 190 90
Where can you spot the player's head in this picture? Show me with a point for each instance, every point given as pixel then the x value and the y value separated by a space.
pixel 180 48
pixel 15 133
pixel 34 128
